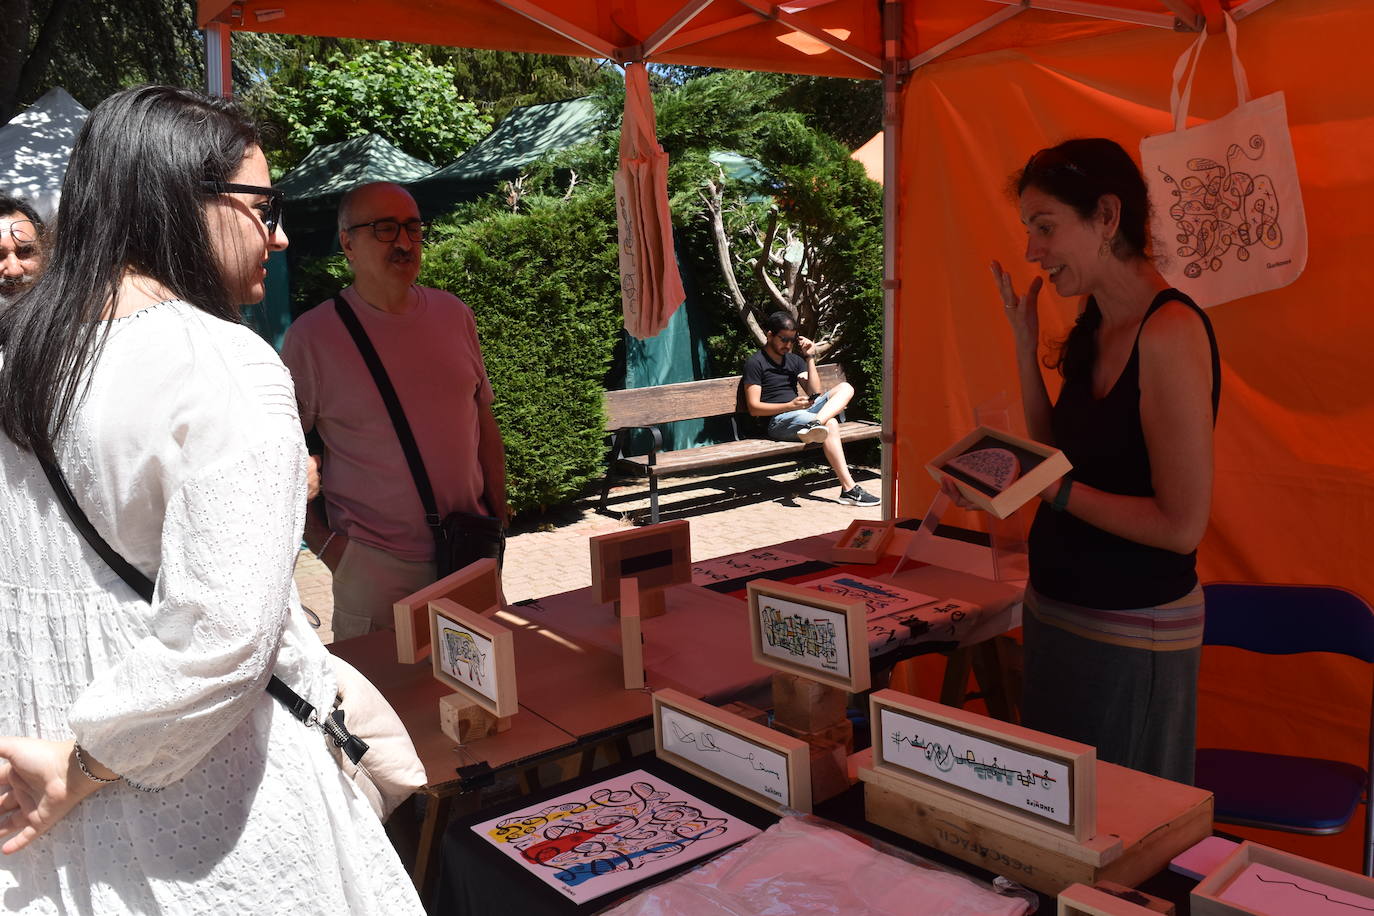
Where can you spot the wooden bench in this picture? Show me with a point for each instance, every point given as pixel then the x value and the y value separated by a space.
pixel 649 408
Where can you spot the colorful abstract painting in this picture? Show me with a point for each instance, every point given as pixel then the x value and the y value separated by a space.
pixel 598 840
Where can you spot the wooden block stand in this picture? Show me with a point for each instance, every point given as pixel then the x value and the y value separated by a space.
pixel 1142 822
pixel 815 713
pixel 465 722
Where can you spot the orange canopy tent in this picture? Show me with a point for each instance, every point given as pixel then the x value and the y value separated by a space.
pixel 973 87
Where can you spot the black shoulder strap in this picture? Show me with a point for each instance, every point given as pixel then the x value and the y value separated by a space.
pixel 1175 295
pixel 141 584
pixel 131 575
pixel 393 407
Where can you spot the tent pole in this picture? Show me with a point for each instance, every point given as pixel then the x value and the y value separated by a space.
pixel 218 59
pixel 894 72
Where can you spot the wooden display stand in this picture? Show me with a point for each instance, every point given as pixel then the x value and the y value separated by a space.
pixel 815 713
pixel 1123 825
pixel 476 586
pixel 465 722
pixel 655 556
pixel 631 634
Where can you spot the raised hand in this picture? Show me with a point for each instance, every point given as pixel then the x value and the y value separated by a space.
pixel 1023 312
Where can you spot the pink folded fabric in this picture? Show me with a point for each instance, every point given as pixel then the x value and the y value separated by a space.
pixel 795 868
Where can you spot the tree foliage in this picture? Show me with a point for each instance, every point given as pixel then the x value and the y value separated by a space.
pixel 387 89
pixel 94 48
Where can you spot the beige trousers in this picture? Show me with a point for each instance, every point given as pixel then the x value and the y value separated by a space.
pixel 367 582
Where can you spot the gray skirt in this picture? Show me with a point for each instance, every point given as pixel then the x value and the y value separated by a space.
pixel 1137 706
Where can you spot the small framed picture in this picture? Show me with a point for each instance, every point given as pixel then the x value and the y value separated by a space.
pixel 863 542
pixel 474 655
pixel 999 472
pixel 476 586
pixel 751 760
pixel 800 631
pixel 1256 880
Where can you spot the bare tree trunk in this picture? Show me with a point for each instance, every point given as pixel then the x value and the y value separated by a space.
pixel 22 68
pixel 715 205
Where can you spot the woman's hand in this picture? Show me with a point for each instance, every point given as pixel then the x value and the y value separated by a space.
pixel 40 783
pixel 950 489
pixel 1023 312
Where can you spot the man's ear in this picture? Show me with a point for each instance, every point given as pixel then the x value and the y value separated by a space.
pixel 346 245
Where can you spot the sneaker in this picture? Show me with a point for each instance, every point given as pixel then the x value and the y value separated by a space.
pixel 815 432
pixel 857 496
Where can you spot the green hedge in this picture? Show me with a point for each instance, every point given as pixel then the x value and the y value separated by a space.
pixel 545 287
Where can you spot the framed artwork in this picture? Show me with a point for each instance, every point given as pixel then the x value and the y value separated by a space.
pixel 1256 880
pixel 755 762
pixel 595 841
pixel 863 542
pixel 476 586
pixel 999 472
pixel 474 655
pixel 657 555
pixel 802 631
pixel 1027 776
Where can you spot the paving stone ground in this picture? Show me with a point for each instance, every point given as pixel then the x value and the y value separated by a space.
pixel 729 512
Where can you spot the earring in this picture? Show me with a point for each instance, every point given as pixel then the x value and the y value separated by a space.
pixel 1106 249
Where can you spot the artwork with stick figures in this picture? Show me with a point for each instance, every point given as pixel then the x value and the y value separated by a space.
pixel 1029 783
pixel 747 763
pixel 597 840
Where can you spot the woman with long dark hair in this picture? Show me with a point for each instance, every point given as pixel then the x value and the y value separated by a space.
pixel 1113 622
pixel 144 766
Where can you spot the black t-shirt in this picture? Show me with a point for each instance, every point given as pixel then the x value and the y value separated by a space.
pixel 777 381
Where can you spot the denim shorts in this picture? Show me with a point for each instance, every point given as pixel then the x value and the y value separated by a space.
pixel 785 427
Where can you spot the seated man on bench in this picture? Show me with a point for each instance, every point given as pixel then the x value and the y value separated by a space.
pixel 770 391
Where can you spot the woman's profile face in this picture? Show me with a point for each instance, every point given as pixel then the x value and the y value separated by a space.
pixel 238 232
pixel 1064 244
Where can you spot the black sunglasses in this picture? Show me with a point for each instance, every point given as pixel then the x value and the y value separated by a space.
pixel 388 230
pixel 271 216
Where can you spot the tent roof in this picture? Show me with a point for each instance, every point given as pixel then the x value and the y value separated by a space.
pixel 523 136
pixel 821 37
pixel 336 167
pixel 35 146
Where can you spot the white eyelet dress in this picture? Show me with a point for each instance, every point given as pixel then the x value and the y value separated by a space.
pixel 186 454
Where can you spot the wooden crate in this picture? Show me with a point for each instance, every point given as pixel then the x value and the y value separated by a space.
pixel 1142 822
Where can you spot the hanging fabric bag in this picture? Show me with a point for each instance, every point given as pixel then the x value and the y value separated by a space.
pixel 1228 218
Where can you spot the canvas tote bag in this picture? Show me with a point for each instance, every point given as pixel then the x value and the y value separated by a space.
pixel 1228 217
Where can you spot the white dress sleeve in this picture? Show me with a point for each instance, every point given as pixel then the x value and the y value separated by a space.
pixel 230 532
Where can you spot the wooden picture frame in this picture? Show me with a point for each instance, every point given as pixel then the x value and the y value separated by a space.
pixel 785 621
pixel 483 646
pixel 1082 900
pixel 732 752
pixel 657 555
pixel 986 763
pixel 863 541
pixel 1035 467
pixel 476 586
pixel 1205 899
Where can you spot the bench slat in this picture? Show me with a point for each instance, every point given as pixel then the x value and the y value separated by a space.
pixel 707 456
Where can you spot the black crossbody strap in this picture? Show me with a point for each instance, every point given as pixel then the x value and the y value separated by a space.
pixel 141 584
pixel 393 407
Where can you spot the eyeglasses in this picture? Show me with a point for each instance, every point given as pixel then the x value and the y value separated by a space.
pixel 387 230
pixel 787 340
pixel 23 231
pixel 270 211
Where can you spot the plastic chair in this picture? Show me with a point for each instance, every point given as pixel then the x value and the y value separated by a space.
pixel 1275 791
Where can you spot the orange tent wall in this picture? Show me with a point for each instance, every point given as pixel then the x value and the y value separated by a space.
pixel 1294 498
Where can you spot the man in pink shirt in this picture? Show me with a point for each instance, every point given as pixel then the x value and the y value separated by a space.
pixel 376 540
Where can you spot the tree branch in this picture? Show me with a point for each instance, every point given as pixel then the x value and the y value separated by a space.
pixel 720 240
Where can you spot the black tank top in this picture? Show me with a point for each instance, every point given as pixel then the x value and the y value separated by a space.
pixel 1073 561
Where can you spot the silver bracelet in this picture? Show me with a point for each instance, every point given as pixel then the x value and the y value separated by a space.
pixel 325 545
pixel 81 762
